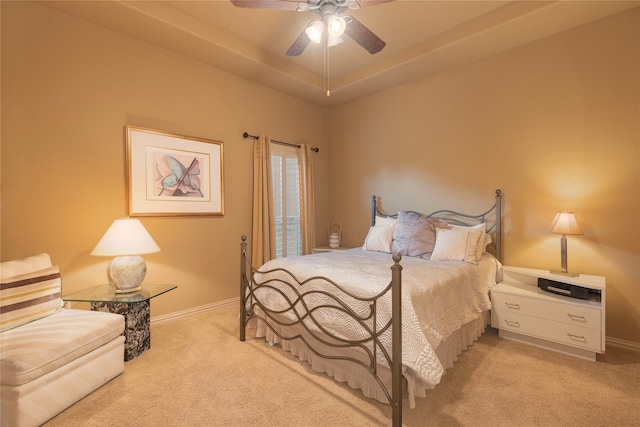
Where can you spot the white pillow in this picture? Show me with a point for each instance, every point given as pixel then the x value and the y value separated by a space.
pixel 456 245
pixel 25 265
pixel 391 222
pixel 481 246
pixel 30 296
pixel 379 238
pixel 487 241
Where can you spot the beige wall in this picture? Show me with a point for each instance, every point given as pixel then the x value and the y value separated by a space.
pixel 68 89
pixel 554 124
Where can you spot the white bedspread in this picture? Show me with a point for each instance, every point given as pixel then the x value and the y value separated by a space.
pixel 438 298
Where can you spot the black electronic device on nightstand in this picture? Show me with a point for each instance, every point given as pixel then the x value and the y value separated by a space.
pixel 566 289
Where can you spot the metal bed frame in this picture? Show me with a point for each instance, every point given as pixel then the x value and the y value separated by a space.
pixel 301 309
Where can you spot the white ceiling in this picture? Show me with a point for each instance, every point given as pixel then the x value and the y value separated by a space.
pixel 422 37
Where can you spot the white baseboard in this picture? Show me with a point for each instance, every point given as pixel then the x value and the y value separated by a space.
pixel 194 310
pixel 629 345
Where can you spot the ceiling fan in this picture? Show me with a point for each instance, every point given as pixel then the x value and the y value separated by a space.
pixel 331 18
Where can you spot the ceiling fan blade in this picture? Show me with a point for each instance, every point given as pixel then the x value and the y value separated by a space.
pixel 267 4
pixel 364 36
pixel 299 45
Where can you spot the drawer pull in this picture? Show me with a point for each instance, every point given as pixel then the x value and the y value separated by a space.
pixel 577 318
pixel 512 323
pixel 512 305
pixel 577 337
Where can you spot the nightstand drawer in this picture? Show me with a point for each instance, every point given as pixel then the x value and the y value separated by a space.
pixel 576 315
pixel 576 336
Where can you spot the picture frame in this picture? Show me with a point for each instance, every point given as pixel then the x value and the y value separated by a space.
pixel 173 175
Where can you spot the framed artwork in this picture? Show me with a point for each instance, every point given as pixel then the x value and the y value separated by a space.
pixel 173 175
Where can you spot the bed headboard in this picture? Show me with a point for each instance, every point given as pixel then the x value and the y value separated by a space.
pixel 492 217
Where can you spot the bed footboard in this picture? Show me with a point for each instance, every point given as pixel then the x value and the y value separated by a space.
pixel 306 303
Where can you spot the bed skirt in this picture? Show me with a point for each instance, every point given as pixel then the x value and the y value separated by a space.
pixel 357 376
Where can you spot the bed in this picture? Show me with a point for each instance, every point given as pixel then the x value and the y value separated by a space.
pixel 417 291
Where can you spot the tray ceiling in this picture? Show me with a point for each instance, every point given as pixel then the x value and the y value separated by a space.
pixel 422 37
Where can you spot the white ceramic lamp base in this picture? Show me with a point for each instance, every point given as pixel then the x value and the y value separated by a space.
pixel 126 273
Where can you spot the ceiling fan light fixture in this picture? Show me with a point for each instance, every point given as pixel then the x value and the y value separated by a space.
pixel 331 16
pixel 333 41
pixel 314 31
pixel 336 25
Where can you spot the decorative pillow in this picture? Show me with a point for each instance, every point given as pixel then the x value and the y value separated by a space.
pixel 386 220
pixel 480 247
pixel 379 238
pixel 24 265
pixel 28 297
pixel 456 245
pixel 415 234
pixel 487 241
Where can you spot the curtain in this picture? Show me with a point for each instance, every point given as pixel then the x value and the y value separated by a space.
pixel 307 204
pixel 263 243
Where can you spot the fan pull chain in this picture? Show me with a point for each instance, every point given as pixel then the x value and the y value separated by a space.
pixel 327 65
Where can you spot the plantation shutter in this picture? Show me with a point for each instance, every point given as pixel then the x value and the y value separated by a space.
pixel 286 197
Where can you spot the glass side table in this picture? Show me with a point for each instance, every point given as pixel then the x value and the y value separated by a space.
pixel 134 306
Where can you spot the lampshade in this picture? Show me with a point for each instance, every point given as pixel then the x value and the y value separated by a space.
pixel 314 31
pixel 126 236
pixel 336 25
pixel 126 240
pixel 565 223
pixel 334 41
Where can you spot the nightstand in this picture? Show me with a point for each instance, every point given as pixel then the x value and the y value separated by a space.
pixel 523 312
pixel 322 249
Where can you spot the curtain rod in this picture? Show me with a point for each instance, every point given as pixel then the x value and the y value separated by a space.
pixel 246 135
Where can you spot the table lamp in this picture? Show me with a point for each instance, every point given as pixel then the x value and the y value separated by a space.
pixel 564 223
pixel 126 240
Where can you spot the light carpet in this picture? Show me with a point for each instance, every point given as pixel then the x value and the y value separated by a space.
pixel 198 373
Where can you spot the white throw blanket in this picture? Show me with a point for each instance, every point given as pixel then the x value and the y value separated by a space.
pixel 438 297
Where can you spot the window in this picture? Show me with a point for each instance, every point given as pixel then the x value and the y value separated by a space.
pixel 286 195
